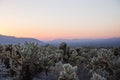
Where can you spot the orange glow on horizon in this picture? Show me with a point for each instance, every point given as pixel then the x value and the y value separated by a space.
pixel 52 31
pixel 48 33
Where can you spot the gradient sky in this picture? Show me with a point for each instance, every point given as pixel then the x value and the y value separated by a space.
pixel 53 19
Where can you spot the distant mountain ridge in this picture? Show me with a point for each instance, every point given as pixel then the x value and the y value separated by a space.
pixel 15 40
pixel 110 42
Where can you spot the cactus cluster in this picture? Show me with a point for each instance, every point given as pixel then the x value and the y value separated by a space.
pixel 70 55
pixel 24 62
pixel 68 73
pixel 103 64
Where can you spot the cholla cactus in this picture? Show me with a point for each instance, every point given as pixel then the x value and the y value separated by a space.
pixel 106 64
pixel 97 77
pixel 74 58
pixel 69 55
pixel 63 46
pixel 116 51
pixel 69 73
pixel 49 57
pixel 25 61
pixel 66 54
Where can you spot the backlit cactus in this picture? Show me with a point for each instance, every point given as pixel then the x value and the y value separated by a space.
pixel 68 73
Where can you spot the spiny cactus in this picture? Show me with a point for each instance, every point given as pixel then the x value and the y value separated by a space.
pixel 63 46
pixel 66 54
pixel 69 55
pixel 97 77
pixel 23 62
pixel 116 51
pixel 30 54
pixel 74 58
pixel 106 61
pixel 68 73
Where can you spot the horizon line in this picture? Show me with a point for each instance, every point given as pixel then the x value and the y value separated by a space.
pixel 61 38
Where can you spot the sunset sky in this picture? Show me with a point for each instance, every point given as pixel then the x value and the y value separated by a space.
pixel 60 19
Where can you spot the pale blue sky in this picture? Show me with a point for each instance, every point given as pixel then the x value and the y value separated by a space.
pixel 50 18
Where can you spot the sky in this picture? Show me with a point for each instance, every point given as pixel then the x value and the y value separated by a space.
pixel 60 19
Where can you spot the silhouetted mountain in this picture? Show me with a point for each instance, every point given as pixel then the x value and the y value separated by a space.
pixel 14 40
pixel 111 42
